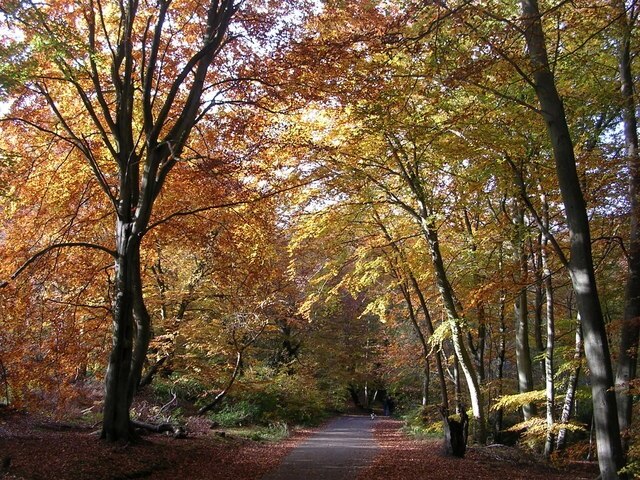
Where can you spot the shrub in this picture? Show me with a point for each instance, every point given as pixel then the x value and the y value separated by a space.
pixel 236 414
pixel 424 422
pixel 183 386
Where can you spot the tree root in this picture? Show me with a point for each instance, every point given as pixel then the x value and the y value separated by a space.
pixel 176 430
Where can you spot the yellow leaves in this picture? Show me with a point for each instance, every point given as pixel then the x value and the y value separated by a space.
pixel 516 401
pixel 377 307
pixel 536 429
pixel 440 334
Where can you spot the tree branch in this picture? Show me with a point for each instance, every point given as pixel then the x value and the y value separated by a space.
pixel 525 198
pixel 184 213
pixel 55 246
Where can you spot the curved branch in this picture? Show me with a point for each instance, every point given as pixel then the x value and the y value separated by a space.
pixel 218 398
pixel 55 246
pixel 185 213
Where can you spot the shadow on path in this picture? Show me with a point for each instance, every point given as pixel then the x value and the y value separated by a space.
pixel 334 453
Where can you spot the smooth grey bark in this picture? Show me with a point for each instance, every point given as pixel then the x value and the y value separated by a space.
pixel 572 385
pixel 521 313
pixel 538 300
pixel 581 270
pixel 425 383
pixel 549 350
pixel 115 421
pixel 501 354
pixel 630 329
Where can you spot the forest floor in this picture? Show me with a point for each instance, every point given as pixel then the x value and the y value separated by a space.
pixel 404 458
pixel 33 448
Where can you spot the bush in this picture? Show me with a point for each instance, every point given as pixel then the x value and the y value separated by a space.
pixel 236 414
pixel 183 386
pixel 271 433
pixel 283 399
pixel 292 399
pixel 424 422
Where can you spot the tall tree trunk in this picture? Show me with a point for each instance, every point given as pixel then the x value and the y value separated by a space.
pixel 142 332
pixel 521 310
pixel 572 385
pixel 502 353
pixel 548 356
pixel 628 353
pixel 451 308
pixel 538 301
pixel 425 383
pixel 115 423
pixel 610 453
pixel 457 389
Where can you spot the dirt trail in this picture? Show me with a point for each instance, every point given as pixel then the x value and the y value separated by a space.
pixel 336 452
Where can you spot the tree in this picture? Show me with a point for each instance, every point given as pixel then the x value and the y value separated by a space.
pixel 628 353
pixel 125 84
pixel 581 267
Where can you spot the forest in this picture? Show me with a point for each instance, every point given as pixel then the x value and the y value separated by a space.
pixel 269 211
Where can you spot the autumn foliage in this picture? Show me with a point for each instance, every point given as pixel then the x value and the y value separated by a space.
pixel 222 201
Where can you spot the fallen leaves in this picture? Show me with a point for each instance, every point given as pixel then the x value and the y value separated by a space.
pixel 404 458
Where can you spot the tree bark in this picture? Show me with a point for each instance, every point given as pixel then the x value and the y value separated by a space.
pixel 425 383
pixel 115 423
pixel 630 329
pixel 572 385
pixel 610 453
pixel 449 301
pixel 549 350
pixel 455 433
pixel 538 301
pixel 502 353
pixel 521 311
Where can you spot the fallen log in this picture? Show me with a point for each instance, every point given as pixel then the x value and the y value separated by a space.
pixel 176 430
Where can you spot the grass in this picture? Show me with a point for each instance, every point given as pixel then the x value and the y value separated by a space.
pixel 273 432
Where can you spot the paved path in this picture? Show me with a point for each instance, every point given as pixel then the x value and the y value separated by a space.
pixel 334 453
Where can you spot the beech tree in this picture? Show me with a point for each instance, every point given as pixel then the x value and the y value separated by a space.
pixel 125 83
pixel 610 455
pixel 628 354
